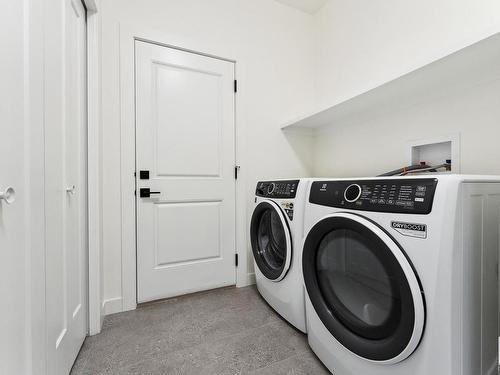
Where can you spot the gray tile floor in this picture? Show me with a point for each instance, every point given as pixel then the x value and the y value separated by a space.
pixel 225 331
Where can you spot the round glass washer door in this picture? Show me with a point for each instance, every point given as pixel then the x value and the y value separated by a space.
pixel 363 288
pixel 271 240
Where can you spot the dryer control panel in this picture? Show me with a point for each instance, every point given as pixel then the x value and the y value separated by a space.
pixel 277 189
pixel 386 195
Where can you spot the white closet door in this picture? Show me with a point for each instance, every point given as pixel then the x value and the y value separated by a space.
pixel 13 217
pixel 65 170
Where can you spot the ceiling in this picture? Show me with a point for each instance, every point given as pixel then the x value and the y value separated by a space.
pixel 308 6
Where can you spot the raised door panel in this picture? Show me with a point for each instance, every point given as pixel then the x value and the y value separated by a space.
pixel 192 228
pixel 188 132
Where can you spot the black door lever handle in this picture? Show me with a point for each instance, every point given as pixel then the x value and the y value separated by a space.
pixel 146 192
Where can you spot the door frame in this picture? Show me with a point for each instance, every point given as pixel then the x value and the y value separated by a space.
pixel 128 36
pixel 95 278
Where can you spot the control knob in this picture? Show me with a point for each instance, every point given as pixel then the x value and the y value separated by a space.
pixel 352 193
pixel 271 187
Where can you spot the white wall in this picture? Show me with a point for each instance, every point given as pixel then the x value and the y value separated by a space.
pixel 289 62
pixel 362 44
pixel 273 46
pixel 371 147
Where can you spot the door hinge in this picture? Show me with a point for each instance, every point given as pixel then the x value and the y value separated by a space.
pixel 236 259
pixel 236 170
pixel 235 86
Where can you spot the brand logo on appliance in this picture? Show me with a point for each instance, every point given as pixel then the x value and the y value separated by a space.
pixel 410 229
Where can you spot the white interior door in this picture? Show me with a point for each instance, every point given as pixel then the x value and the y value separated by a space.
pixel 14 222
pixel 185 141
pixel 65 186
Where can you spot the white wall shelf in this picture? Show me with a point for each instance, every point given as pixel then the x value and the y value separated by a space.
pixel 468 67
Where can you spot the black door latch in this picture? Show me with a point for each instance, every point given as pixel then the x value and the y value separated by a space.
pixel 146 192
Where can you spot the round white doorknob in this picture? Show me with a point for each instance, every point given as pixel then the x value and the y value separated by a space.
pixel 9 195
pixel 71 189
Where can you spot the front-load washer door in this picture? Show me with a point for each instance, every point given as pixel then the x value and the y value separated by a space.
pixel 271 240
pixel 363 288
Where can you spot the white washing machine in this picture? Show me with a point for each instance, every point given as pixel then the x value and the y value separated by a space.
pixel 401 274
pixel 276 233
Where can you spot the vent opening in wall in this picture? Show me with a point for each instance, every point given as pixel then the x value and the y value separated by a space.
pixel 436 151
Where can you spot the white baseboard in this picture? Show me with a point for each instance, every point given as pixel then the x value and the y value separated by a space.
pixel 112 305
pixel 115 305
pixel 249 280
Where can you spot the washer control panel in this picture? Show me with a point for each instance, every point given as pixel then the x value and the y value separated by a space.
pixel 277 189
pixel 388 195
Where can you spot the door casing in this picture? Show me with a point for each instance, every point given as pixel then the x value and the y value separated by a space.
pixel 95 276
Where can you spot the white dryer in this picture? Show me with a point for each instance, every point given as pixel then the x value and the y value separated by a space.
pixel 276 233
pixel 401 274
